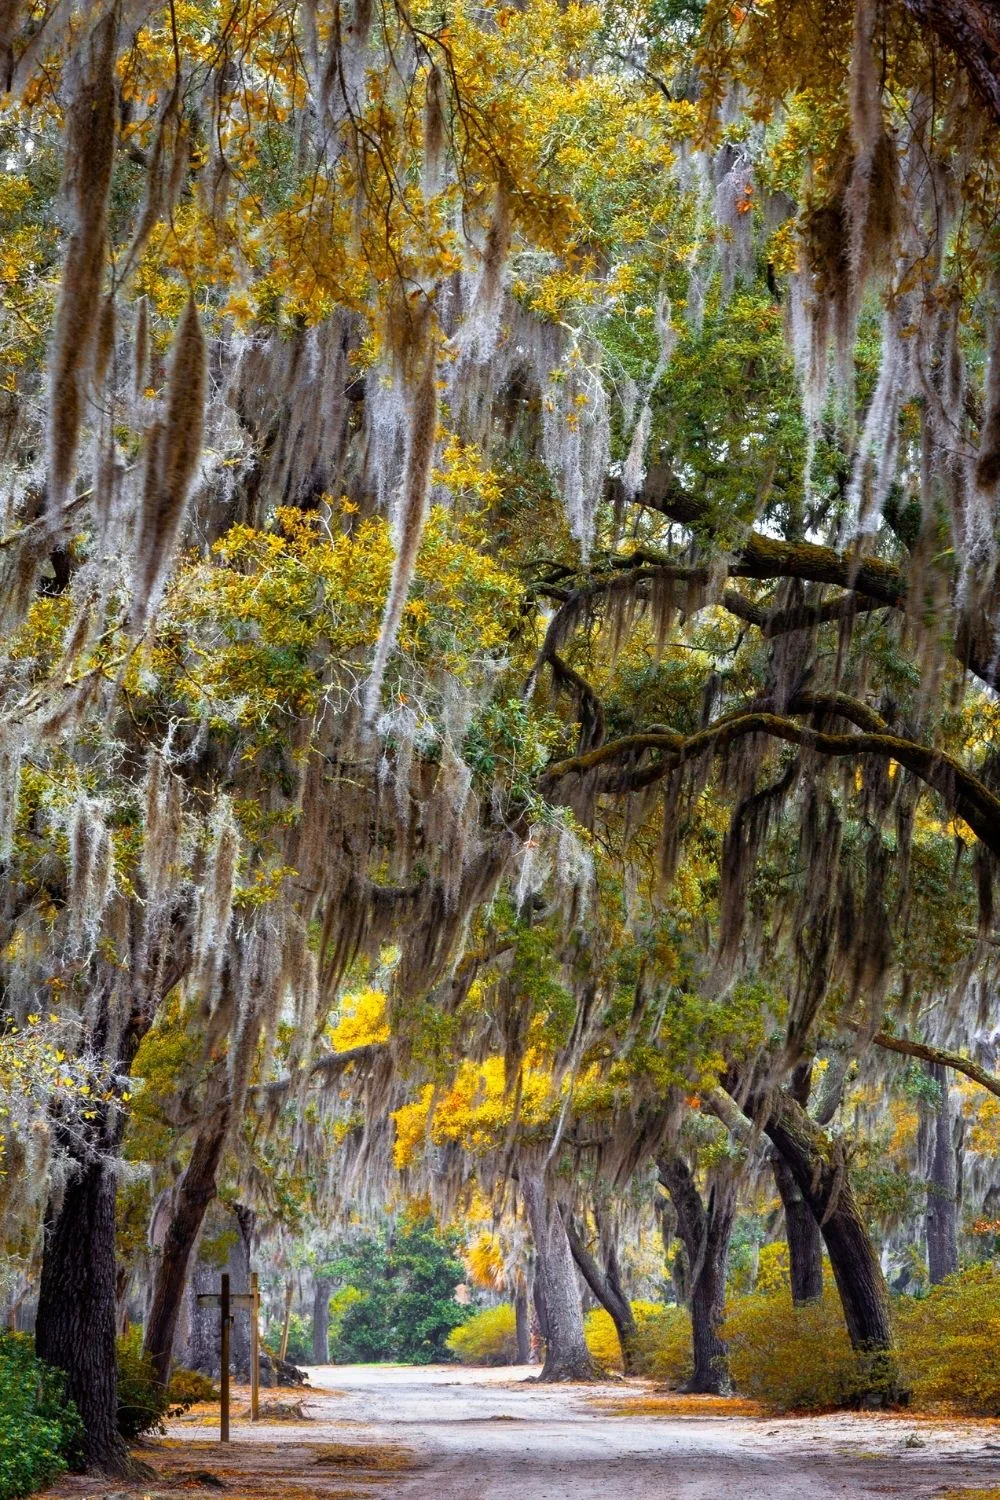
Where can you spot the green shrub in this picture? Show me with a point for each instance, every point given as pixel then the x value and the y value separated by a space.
pixel 949 1339
pixel 406 1276
pixel 299 1349
pixel 340 1304
pixel 40 1431
pixel 142 1401
pixel 791 1358
pixel 487 1338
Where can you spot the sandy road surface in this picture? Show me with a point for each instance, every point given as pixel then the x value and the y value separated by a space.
pixel 483 1437
pixel 440 1433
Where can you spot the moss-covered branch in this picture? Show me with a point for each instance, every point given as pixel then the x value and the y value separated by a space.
pixel 953 1060
pixel 962 793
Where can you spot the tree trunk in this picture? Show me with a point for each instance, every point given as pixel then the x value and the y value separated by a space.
pixel 802 1233
pixel 321 1320
pixel 522 1323
pixel 77 1310
pixel 191 1199
pixel 942 1205
pixel 289 1294
pixel 819 1169
pixel 606 1286
pixel 566 1354
pixel 705 1230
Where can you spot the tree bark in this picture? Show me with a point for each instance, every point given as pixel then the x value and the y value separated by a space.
pixel 192 1197
pixel 321 1320
pixel 607 1287
pixel 941 1219
pixel 289 1294
pixel 705 1230
pixel 805 1243
pixel 522 1323
pixel 971 28
pixel 566 1354
pixel 818 1167
pixel 77 1310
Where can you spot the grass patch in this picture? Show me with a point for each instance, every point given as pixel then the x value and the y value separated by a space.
pixel 680 1406
pixel 375 1456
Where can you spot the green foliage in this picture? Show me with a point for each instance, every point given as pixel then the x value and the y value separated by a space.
pixel 299 1349
pixel 489 1337
pixel 949 1342
pixel 406 1278
pixel 40 1430
pixel 142 1401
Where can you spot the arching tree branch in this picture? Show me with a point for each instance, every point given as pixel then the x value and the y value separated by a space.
pixel 971 28
pixel 953 1060
pixel 962 792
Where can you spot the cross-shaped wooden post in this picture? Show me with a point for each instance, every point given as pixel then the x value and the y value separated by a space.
pixel 225 1302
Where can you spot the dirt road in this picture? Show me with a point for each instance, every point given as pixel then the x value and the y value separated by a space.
pixel 441 1433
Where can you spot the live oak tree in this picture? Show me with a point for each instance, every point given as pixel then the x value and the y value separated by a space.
pixel 585 407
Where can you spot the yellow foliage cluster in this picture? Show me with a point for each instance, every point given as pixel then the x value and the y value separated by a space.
pixel 485 1263
pixel 362 1021
pixel 475 1110
pixel 489 1337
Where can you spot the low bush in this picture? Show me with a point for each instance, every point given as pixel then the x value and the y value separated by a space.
pixel 949 1339
pixel 40 1430
pixel 487 1338
pixel 791 1358
pixel 663 1344
pixel 142 1401
pixel 663 1341
pixel 188 1387
pixel 299 1339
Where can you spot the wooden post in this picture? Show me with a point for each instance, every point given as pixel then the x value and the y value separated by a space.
pixel 254 1347
pixel 225 1320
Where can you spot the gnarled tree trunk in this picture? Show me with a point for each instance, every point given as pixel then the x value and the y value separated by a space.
pixel 705 1230
pixel 805 1243
pixel 566 1354
pixel 522 1322
pixel 77 1309
pixel 819 1169
pixel 191 1199
pixel 606 1286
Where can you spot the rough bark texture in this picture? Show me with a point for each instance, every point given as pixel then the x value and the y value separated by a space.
pixel 191 1199
pixel 805 1243
pixel 77 1314
pixel 224 1246
pixel 704 1229
pixel 820 1171
pixel 606 1286
pixel 971 28
pixel 322 1288
pixel 566 1354
pixel 522 1324
pixel 942 1188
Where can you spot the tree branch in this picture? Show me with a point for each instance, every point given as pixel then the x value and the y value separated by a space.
pixel 952 1060
pixel 971 29
pixel 962 792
